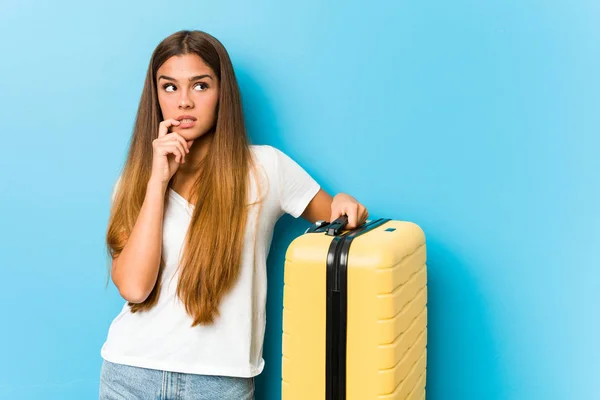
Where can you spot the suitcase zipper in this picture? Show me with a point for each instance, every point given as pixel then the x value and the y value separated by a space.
pixel 337 307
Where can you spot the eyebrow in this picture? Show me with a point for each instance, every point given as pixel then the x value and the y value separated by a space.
pixel 193 78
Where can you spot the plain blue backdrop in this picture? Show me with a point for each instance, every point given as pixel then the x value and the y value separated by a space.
pixel 478 120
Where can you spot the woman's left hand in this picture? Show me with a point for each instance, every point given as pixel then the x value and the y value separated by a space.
pixel 344 204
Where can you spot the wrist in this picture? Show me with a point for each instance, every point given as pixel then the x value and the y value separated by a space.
pixel 155 184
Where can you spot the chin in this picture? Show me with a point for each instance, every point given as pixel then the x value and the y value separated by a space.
pixel 189 134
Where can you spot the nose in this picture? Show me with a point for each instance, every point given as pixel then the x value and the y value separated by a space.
pixel 185 101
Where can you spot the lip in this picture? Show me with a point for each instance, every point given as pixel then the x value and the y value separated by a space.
pixel 185 117
pixel 185 125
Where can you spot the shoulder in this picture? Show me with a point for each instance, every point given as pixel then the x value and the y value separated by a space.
pixel 115 188
pixel 266 156
pixel 264 151
pixel 274 163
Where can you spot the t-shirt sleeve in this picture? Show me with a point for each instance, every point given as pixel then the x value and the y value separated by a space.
pixel 296 188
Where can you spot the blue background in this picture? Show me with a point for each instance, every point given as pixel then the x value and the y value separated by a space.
pixel 478 120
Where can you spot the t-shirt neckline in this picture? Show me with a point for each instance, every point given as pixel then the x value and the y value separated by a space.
pixel 180 199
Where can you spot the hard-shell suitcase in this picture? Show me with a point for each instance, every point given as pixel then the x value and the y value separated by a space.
pixel 355 313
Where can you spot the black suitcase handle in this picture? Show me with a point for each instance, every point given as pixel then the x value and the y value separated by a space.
pixel 330 228
pixel 334 228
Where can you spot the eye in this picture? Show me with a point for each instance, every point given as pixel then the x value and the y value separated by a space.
pixel 201 84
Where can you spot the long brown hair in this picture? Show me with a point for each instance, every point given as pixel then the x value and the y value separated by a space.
pixel 210 261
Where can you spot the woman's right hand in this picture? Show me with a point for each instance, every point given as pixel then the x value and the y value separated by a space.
pixel 169 150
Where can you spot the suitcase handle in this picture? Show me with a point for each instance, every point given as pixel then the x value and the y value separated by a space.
pixel 331 229
pixel 334 228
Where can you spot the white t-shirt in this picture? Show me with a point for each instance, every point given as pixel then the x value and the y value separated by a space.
pixel 162 338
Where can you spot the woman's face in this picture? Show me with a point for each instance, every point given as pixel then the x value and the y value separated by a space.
pixel 187 87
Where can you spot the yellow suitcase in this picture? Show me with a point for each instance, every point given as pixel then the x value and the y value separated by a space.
pixel 355 313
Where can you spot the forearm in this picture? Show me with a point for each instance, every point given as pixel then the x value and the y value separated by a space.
pixel 135 270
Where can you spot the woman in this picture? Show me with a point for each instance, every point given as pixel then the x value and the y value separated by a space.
pixel 190 229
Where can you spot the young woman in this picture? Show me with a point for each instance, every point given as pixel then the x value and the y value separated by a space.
pixel 190 228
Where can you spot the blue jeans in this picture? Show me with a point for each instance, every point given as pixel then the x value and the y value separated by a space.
pixel 125 382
